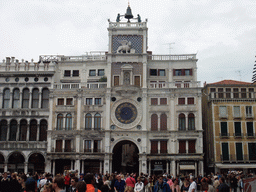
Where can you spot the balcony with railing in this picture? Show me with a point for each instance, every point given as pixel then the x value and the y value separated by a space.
pixel 172 57
pixel 232 96
pixel 250 135
pixel 224 135
pixel 238 158
pixel 93 150
pixel 23 145
pixel 238 135
pixel 165 85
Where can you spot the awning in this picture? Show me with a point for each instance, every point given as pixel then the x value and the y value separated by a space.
pixel 187 167
pixel 235 166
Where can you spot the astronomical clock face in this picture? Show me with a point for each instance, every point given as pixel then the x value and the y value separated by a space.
pixel 126 113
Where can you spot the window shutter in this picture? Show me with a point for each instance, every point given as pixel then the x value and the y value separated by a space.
pixel 191 146
pixel 182 72
pixel 163 146
pixel 154 123
pixel 173 72
pixel 182 146
pixel 191 72
pixel 154 146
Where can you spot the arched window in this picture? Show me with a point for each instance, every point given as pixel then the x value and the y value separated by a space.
pixel 13 130
pixel 35 98
pixel 25 98
pixel 163 122
pixel 97 121
pixel 68 122
pixel 191 121
pixel 43 131
pixel 3 130
pixel 23 130
pixel 16 99
pixel 6 98
pixel 154 122
pixel 45 98
pixel 182 124
pixel 88 121
pixel 33 130
pixel 60 122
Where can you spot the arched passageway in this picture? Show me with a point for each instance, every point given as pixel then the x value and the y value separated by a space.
pixel 125 157
pixel 16 162
pixel 36 163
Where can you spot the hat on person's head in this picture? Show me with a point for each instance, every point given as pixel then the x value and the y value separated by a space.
pixel 215 177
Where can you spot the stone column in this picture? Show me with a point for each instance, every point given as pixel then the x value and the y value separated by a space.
pixel 40 99
pixel 201 168
pixel 25 167
pixel 28 132
pixel 178 168
pixel 144 81
pixel 11 99
pixel 30 100
pixel 173 168
pixel 72 165
pixel 1 99
pixel 50 125
pixel 79 104
pixel 196 173
pixel 5 166
pixel 149 167
pixel 100 166
pixel 82 171
pixel 53 167
pixel 159 121
pixel 38 131
pixel 20 104
pixel 110 166
pixel 167 166
pixel 158 147
pixel 8 131
pixel 77 165
pixel 18 132
pixel 172 114
pixel 48 165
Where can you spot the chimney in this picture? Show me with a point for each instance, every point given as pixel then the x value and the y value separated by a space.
pixel 8 60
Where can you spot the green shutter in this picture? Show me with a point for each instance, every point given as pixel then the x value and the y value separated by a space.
pixel 225 152
pixel 224 129
pixel 239 151
pixel 237 128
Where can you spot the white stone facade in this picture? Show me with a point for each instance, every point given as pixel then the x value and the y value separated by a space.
pixel 101 101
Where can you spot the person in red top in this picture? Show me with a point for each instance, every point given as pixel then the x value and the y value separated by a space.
pixel 90 180
pixel 130 181
pixel 67 181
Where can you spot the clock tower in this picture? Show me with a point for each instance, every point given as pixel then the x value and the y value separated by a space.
pixel 126 90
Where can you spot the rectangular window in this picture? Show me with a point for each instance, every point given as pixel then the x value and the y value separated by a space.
pixel 243 92
pixel 223 111
pixel 213 92
pixel 154 101
pixel 251 92
pixel 161 72
pixel 187 72
pixel 248 111
pixel 236 92
pixel 177 72
pixel 87 146
pixel 97 101
pixel 238 129
pixel 153 72
pixel 75 73
pixel 220 93
pixel 228 92
pixel 58 146
pixel 237 112
pixel 250 132
pixel 163 146
pixel 67 73
pixel 88 101
pixel 190 100
pixel 181 101
pixel 252 151
pixel 92 73
pixel 154 147
pixel 161 84
pixel 192 146
pixel 69 101
pixel 67 146
pixel 97 146
pixel 163 101
pixel 224 129
pixel 101 72
pixel 60 101
pixel 182 146
pixel 225 152
pixel 186 84
pixel 239 152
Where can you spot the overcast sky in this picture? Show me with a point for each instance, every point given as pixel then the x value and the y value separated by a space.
pixel 222 33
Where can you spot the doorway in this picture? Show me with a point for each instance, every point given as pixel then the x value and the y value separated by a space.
pixel 125 157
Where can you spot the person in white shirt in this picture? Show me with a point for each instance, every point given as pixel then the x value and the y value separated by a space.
pixel 193 185
pixel 139 186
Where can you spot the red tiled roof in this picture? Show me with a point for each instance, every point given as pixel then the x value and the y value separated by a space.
pixel 230 82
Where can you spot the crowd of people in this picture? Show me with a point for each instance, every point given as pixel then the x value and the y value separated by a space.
pixel 72 182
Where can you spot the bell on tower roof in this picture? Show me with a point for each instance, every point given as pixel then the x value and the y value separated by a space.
pixel 128 14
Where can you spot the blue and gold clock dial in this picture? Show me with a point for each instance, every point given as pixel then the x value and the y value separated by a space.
pixel 126 113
